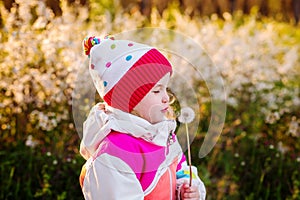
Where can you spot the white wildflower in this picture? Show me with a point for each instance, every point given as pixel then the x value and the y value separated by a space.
pixel 272 117
pixel 294 127
pixel 30 142
pixel 290 60
pixel 283 149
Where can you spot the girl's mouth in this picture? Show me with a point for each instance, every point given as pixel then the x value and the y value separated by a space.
pixel 165 109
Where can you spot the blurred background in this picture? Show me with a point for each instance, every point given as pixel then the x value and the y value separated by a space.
pixel 254 44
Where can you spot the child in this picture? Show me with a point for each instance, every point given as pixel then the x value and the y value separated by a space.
pixel 131 150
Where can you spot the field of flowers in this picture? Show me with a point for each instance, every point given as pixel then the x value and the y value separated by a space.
pixel 257 155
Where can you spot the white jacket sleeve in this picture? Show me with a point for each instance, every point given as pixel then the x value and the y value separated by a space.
pixel 105 181
pixel 183 176
pixel 92 135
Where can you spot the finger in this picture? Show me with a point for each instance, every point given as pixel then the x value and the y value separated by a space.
pixel 186 185
pixel 191 189
pixel 191 196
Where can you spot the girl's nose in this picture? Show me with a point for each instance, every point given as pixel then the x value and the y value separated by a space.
pixel 165 98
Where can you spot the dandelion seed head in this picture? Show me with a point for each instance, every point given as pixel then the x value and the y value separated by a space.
pixel 187 115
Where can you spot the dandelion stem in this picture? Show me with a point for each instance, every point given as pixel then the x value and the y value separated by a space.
pixel 189 153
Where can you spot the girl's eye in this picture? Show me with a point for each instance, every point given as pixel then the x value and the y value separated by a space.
pixel 156 91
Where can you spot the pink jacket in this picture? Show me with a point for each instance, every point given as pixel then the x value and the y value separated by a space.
pixel 121 165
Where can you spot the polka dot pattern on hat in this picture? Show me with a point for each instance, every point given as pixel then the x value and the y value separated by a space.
pixel 124 71
pixel 105 83
pixel 113 46
pixel 108 64
pixel 128 57
pixel 109 37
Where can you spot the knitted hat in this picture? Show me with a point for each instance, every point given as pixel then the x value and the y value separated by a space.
pixel 123 71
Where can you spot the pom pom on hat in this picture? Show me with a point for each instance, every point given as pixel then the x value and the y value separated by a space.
pixel 88 43
pixel 123 71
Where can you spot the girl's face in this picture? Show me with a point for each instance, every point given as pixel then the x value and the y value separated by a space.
pixel 154 106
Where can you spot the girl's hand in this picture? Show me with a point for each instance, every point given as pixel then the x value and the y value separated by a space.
pixel 191 193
